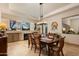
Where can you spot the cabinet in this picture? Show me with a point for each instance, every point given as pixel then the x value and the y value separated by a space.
pixel 3 46
pixel 13 36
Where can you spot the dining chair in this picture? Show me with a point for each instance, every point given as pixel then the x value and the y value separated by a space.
pixel 37 44
pixel 53 36
pixel 42 47
pixel 32 37
pixel 35 40
pixel 59 48
pixel 32 42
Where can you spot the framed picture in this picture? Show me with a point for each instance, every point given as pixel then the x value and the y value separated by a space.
pixel 13 24
pixel 54 25
pixel 25 26
pixel 19 25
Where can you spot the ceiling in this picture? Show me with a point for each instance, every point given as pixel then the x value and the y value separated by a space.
pixel 33 9
pixel 50 7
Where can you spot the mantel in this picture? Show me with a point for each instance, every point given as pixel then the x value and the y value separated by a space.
pixel 18 31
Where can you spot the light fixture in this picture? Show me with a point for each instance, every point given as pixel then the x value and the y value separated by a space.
pixel 41 15
pixel 64 29
pixel 71 29
pixel 41 22
pixel 41 11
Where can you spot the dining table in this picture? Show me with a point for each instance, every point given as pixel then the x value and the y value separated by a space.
pixel 47 41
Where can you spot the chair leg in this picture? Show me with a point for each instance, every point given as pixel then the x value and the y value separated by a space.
pixel 40 52
pixel 35 50
pixel 28 43
pixel 31 47
pixel 52 52
pixel 62 53
pixel 58 54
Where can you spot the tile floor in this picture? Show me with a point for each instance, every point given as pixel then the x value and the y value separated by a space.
pixel 20 48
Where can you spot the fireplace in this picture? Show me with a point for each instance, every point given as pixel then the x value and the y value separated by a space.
pixel 26 36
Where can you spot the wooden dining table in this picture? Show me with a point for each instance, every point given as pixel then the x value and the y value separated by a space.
pixel 47 41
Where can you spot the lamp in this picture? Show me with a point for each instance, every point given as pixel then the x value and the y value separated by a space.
pixel 64 29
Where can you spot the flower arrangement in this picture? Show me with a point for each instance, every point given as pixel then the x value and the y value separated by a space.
pixel 3 26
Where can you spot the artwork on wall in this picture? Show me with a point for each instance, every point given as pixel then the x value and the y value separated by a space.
pixel 25 26
pixel 19 25
pixel 13 24
pixel 54 25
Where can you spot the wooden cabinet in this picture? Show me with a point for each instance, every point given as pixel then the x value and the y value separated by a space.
pixel 13 36
pixel 17 35
pixel 3 46
pixel 9 38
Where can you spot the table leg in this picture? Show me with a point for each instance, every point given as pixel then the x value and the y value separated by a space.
pixel 48 49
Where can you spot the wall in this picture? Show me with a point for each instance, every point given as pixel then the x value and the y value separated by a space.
pixel 75 25
pixel 6 13
pixel 58 19
pixel 7 17
pixel 4 5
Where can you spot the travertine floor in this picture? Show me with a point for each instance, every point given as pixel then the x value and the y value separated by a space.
pixel 20 48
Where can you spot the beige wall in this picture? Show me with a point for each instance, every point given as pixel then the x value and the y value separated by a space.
pixel 5 18
pixel 6 14
pixel 58 18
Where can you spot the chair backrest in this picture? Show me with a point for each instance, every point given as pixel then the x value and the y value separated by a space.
pixel 37 38
pixel 31 37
